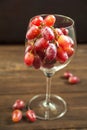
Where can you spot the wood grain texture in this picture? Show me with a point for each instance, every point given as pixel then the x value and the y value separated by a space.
pixel 19 81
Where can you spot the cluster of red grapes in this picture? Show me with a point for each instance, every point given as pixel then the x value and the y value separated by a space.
pixel 71 78
pixel 17 113
pixel 45 44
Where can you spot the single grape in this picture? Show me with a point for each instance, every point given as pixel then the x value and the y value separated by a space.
pixel 62 56
pixel 67 74
pixel 71 41
pixel 49 20
pixel 65 31
pixel 47 33
pixel 74 79
pixel 51 51
pixel 37 62
pixel 64 42
pixel 16 115
pixel 19 104
pixel 58 32
pixel 70 51
pixel 41 43
pixel 28 59
pixel 31 116
pixel 41 54
pixel 36 21
pixel 32 32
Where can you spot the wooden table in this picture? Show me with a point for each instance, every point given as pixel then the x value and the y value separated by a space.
pixel 20 82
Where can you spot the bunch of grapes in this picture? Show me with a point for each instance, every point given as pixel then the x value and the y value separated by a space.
pixel 45 44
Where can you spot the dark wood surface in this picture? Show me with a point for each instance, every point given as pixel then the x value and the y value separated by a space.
pixel 19 81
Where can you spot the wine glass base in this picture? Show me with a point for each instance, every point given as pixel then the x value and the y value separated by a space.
pixel 55 109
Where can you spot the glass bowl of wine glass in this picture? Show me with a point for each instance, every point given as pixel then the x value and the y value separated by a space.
pixel 49 46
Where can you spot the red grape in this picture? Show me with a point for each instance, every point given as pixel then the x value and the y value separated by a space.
pixel 16 115
pixel 41 54
pixel 29 58
pixel 30 114
pixel 67 75
pixel 49 20
pixel 71 41
pixel 47 33
pixel 51 51
pixel 36 21
pixel 58 32
pixel 33 32
pixel 62 56
pixel 70 51
pixel 64 42
pixel 65 31
pixel 41 43
pixel 19 104
pixel 73 79
pixel 37 62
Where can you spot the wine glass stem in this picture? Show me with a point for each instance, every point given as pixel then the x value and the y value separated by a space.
pixel 47 100
pixel 48 90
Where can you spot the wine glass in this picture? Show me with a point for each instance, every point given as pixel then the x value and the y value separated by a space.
pixel 62 43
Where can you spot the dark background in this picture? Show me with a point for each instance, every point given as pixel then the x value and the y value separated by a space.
pixel 15 15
